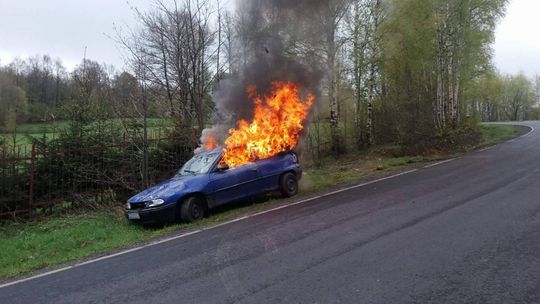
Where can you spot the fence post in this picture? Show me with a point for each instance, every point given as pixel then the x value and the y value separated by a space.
pixel 32 173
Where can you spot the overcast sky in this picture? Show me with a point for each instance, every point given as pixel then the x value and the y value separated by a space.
pixel 517 47
pixel 62 28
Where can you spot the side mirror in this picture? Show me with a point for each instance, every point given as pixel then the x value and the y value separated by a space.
pixel 222 167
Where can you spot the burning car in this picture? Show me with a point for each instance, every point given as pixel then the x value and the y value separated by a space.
pixel 255 158
pixel 205 182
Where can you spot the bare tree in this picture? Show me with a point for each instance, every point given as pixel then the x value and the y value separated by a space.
pixel 229 41
pixel 177 44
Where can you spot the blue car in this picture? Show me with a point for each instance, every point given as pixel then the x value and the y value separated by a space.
pixel 204 183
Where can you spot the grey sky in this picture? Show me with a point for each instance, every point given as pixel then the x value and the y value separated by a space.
pixel 518 39
pixel 62 28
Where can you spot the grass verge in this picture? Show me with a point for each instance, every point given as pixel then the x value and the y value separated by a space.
pixel 58 239
pixel 493 134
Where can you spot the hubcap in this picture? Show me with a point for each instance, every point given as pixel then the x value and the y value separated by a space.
pixel 195 211
pixel 291 185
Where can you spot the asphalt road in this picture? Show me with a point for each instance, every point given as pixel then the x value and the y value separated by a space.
pixel 467 231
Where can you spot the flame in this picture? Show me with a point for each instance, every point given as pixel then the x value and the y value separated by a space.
pixel 278 121
pixel 211 143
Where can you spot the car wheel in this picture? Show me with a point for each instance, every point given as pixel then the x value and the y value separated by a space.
pixel 288 185
pixel 192 209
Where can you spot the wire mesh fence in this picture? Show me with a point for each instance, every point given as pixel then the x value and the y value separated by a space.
pixel 35 177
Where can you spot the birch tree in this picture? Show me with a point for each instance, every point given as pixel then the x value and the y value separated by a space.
pixel 331 16
pixel 365 31
pixel 434 50
pixel 464 31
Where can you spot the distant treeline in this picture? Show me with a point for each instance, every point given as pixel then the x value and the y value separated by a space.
pixel 40 89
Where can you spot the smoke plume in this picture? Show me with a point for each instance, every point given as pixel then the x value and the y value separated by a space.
pixel 269 48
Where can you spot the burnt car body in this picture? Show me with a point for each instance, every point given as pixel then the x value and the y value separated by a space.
pixel 204 183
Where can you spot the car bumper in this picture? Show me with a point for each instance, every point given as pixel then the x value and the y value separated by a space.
pixel 157 215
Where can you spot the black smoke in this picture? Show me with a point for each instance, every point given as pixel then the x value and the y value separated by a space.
pixel 270 38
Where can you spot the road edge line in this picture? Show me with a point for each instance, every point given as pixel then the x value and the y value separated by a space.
pixel 440 163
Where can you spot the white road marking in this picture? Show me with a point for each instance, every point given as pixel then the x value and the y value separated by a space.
pixel 529 133
pixel 203 229
pixel 440 163
pixel 36 276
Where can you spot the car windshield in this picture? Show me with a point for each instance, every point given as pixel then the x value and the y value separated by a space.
pixel 199 164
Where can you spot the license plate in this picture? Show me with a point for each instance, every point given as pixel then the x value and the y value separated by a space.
pixel 133 215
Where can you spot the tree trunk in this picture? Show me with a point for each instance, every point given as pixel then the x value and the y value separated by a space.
pixel 332 94
pixel 357 54
pixel 369 119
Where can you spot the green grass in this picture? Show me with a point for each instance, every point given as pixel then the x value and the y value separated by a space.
pixel 48 127
pixel 55 240
pixel 37 128
pixel 26 133
pixel 46 242
pixel 36 245
pixel 400 161
pixel 493 134
pixel 26 138
pixel 350 168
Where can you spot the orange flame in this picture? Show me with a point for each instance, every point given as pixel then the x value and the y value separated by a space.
pixel 277 124
pixel 211 143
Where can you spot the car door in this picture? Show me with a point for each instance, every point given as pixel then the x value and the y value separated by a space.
pixel 248 176
pixel 269 171
pixel 223 185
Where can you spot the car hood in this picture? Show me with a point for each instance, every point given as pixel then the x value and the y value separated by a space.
pixel 167 189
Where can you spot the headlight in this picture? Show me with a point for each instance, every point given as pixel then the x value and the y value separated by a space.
pixel 128 206
pixel 155 203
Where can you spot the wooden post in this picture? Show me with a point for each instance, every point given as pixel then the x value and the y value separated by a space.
pixel 31 186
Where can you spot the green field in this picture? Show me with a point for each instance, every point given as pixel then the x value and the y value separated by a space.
pixel 26 133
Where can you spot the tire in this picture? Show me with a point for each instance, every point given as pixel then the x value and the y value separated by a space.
pixel 192 209
pixel 288 185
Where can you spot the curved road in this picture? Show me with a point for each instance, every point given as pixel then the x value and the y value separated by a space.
pixel 466 231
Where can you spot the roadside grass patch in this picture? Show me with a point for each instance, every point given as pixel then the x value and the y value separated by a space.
pixel 350 168
pixel 400 161
pixel 334 171
pixel 493 134
pixel 46 242
pixel 34 245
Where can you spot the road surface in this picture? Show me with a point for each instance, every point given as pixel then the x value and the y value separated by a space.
pixel 466 231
